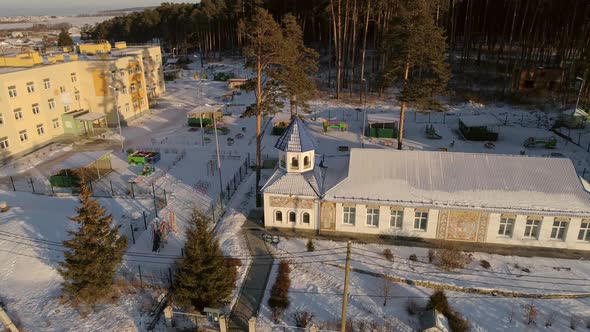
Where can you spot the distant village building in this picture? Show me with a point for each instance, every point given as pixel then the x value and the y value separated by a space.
pixel 479 198
pixel 539 79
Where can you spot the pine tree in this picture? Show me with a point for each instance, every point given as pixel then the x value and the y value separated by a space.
pixel 265 52
pixel 299 63
pixel 64 39
pixel 414 49
pixel 204 275
pixel 95 251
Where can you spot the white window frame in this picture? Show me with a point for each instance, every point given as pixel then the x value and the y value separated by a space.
pixel 584 232
pixel 396 217
pixel 372 216
pixel 421 220
pixel 40 130
pixel 67 108
pixel 35 109
pixel 278 213
pixel 133 88
pixel 30 87
pixel 18 113
pixel 62 89
pixel 4 143
pixel 47 83
pixel 12 93
pixel 349 215
pixel 532 228
pixel 51 104
pixel 303 218
pixel 55 123
pixel 558 229
pixel 23 136
pixel 74 77
pixel 77 95
pixel 506 225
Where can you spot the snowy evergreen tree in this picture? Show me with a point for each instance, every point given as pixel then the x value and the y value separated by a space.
pixel 205 277
pixel 95 251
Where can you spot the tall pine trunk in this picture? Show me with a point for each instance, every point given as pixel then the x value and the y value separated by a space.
pixel 402 114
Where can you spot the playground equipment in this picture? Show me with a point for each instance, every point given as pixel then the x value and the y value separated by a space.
pixel 431 132
pixel 223 76
pixel 381 129
pixel 3 206
pixel 230 141
pixel 147 170
pixel 223 130
pixel 547 143
pixel 143 157
pixel 342 126
pixel 227 98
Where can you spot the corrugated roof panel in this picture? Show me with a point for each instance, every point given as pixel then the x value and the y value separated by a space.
pixel 281 182
pixel 296 138
pixel 464 179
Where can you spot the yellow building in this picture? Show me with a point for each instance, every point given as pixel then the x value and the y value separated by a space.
pixel 73 95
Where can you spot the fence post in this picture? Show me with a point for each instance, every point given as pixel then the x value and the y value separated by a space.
pixel 32 185
pixel 51 186
pixel 144 221
pixel 170 275
pixel 155 203
pixel 579 138
pixel 584 172
pixel 252 324
pixel 12 182
pixel 165 198
pixel 112 191
pixel 132 191
pixel 91 189
pixel 213 211
pixel 140 277
pixel 132 233
pixel 182 252
pixel 247 162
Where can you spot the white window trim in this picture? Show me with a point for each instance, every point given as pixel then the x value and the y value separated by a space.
pixel 372 216
pixel 586 230
pixel 289 217
pixel 397 217
pixel 422 218
pixel 562 226
pixel 532 226
pixel 505 224
pixel 349 214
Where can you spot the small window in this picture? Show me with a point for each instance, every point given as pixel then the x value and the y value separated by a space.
pixel 135 105
pixel 66 108
pixel 533 225
pixel 137 69
pixel 506 225
pixel 558 229
pixel 51 103
pixel 40 130
pixel 55 123
pixel 35 108
pixel 62 89
pixel 373 217
pixel 584 234
pixel 421 220
pixel 23 136
pixel 306 218
pixel 74 77
pixel 1 119
pixel 292 217
pixel 294 163
pixel 306 162
pixel 47 84
pixel 142 102
pixel 124 90
pixel 77 95
pixel 349 215
pixel 127 107
pixel 130 71
pixel 114 75
pixel 18 114
pixel 278 216
pixel 30 87
pixel 12 92
pixel 133 89
pixel 4 143
pixel 397 218
pixel 139 85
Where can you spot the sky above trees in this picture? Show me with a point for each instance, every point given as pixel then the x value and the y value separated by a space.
pixel 69 7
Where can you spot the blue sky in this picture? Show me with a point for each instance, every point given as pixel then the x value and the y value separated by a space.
pixel 70 7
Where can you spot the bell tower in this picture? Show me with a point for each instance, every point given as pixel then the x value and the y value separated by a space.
pixel 296 148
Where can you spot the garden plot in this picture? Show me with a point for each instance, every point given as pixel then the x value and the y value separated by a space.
pixel 317 286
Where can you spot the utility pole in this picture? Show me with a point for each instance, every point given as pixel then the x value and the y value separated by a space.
pixel 345 295
pixel 218 163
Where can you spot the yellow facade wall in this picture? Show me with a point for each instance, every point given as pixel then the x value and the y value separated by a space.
pixel 73 85
pixel 95 48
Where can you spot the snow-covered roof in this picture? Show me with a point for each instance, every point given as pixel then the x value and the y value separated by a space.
pixel 483 120
pixel 90 116
pixel 81 159
pixel 296 138
pixel 207 108
pixel 463 180
pixel 301 184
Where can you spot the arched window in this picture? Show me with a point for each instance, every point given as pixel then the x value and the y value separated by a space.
pixel 294 163
pixel 292 217
pixel 306 162
pixel 306 218
pixel 279 216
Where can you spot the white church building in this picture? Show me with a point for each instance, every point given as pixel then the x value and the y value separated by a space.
pixel 472 197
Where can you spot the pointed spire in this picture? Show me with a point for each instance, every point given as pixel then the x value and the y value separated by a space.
pixel 296 138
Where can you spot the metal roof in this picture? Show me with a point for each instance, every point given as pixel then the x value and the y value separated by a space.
pixel 301 184
pixel 81 159
pixel 296 138
pixel 463 180
pixel 483 120
pixel 90 116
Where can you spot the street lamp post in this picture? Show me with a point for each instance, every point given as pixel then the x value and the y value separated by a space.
pixel 579 93
pixel 118 117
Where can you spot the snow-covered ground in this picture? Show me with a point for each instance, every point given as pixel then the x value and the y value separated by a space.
pixel 29 286
pixel 317 285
